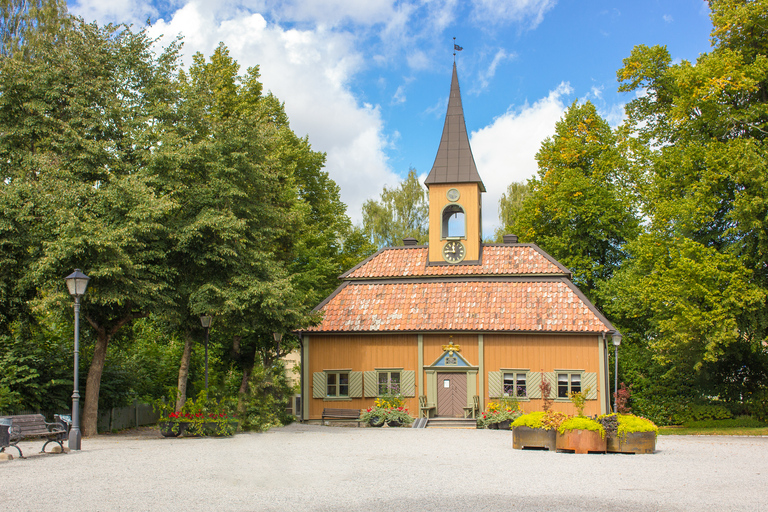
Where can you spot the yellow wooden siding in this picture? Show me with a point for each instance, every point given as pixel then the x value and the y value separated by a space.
pixel 470 201
pixel 361 353
pixel 547 353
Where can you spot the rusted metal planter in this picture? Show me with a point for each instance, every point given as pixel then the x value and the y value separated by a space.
pixel 581 441
pixel 633 442
pixel 533 438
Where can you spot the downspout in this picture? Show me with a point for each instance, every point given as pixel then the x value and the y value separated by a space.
pixel 606 378
pixel 301 376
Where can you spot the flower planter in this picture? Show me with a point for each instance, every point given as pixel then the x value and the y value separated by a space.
pixel 168 429
pixel 632 442
pixel 394 423
pixel 493 426
pixel 504 425
pixel 376 422
pixel 581 441
pixel 534 438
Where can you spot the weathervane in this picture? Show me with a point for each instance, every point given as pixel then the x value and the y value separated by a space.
pixel 456 48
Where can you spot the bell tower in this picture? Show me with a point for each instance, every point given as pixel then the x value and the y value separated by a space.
pixel 455 192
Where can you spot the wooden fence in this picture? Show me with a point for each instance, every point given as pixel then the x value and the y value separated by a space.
pixel 118 418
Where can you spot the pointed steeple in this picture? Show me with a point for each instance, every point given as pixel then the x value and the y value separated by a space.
pixel 454 162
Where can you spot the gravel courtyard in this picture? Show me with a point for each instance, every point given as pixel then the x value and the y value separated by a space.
pixel 303 467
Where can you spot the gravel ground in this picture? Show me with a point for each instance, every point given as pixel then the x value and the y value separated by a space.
pixel 303 467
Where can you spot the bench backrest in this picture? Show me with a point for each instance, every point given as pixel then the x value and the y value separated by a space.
pixel 27 423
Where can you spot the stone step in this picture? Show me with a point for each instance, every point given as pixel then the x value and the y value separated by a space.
pixel 451 423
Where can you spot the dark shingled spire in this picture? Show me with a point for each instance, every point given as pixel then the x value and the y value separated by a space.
pixel 454 162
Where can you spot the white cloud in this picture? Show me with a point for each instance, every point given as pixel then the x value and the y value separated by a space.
pixel 487 75
pixel 519 11
pixel 505 150
pixel 668 18
pixel 399 96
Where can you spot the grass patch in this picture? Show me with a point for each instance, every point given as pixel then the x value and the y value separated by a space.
pixel 713 431
pixel 741 426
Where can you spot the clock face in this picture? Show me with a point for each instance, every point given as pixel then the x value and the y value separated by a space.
pixel 453 195
pixel 453 252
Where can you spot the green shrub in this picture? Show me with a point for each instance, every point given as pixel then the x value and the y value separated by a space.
pixel 759 405
pixel 629 423
pixel 581 423
pixel 740 422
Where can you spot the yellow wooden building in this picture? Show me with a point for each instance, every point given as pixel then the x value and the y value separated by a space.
pixel 455 319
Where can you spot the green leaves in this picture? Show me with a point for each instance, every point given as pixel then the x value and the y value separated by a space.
pixel 401 213
pixel 578 209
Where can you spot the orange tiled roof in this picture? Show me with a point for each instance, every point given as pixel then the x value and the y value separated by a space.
pixel 496 260
pixel 430 305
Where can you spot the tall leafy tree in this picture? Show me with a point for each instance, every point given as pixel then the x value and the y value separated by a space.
pixel 510 206
pixel 577 208
pixel 22 21
pixel 79 122
pixel 695 286
pixel 401 212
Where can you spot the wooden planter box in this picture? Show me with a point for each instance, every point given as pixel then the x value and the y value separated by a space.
pixel 581 441
pixel 634 442
pixel 537 438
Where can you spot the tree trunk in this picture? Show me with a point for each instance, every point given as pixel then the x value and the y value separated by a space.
pixel 93 384
pixel 186 356
pixel 89 423
pixel 243 391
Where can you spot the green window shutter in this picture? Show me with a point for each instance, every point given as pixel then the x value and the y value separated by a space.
pixel 371 384
pixel 532 382
pixel 318 385
pixel 408 383
pixel 355 384
pixel 495 387
pixel 551 377
pixel 589 380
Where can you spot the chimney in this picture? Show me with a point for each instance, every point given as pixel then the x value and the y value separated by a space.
pixel 510 239
pixel 410 241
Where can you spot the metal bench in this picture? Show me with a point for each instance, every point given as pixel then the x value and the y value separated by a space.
pixel 15 428
pixel 425 408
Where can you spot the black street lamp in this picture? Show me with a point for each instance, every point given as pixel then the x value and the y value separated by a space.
pixel 278 338
pixel 77 282
pixel 616 338
pixel 205 320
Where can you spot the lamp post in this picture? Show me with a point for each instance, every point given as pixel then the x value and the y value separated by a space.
pixel 616 338
pixel 77 282
pixel 205 320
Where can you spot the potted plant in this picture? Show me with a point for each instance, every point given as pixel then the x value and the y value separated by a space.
pixel 398 416
pixel 580 434
pixel 374 416
pixel 627 433
pixel 499 415
pixel 390 409
pixel 199 417
pixel 537 430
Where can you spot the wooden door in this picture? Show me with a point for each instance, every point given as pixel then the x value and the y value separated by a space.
pixel 451 394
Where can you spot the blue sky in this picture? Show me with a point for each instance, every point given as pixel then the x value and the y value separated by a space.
pixel 367 80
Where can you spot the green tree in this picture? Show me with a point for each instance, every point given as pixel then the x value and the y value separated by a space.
pixel 510 206
pixel 695 285
pixel 22 21
pixel 400 213
pixel 577 209
pixel 80 121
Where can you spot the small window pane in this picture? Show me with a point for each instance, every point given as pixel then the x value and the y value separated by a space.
pixel 562 385
pixel 575 383
pixel 509 384
pixel 394 384
pixel 521 389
